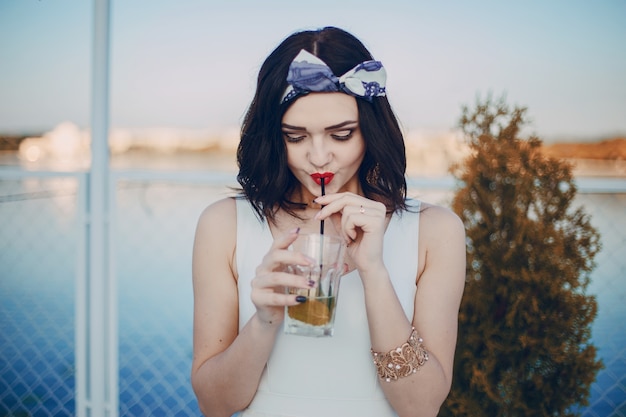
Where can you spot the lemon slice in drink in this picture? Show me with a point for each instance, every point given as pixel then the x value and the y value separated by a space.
pixel 312 312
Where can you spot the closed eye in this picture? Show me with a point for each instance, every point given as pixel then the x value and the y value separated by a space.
pixel 343 134
pixel 293 137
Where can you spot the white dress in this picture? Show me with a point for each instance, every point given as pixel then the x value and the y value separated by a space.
pixel 327 376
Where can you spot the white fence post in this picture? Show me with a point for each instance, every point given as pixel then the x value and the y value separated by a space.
pixel 96 332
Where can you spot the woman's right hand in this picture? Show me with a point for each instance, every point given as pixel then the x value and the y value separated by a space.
pixel 268 286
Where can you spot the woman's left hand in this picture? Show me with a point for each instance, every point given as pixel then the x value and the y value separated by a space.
pixel 361 222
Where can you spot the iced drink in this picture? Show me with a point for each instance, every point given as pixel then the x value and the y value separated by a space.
pixel 316 316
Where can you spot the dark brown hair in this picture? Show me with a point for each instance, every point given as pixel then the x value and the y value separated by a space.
pixel 264 176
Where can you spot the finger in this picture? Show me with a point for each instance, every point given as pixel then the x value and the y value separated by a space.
pixel 342 202
pixel 279 254
pixel 363 219
pixel 277 299
pixel 335 203
pixel 336 218
pixel 277 259
pixel 349 225
pixel 329 198
pixel 342 215
pixel 280 280
pixel 286 239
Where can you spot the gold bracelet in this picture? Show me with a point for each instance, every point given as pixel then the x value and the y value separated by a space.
pixel 402 361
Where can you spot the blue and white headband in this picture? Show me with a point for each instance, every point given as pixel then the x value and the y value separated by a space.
pixel 308 73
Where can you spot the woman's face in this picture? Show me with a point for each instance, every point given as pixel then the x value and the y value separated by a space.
pixel 323 140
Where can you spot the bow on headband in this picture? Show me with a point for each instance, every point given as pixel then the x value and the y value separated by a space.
pixel 308 73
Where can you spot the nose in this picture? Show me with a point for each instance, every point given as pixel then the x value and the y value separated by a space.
pixel 319 153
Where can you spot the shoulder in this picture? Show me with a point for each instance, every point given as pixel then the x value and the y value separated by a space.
pixel 218 222
pixel 438 222
pixel 222 212
pixel 216 236
pixel 442 250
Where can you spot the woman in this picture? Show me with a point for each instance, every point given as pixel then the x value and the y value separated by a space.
pixel 320 111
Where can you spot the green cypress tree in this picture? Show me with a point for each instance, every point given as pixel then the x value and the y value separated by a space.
pixel 524 344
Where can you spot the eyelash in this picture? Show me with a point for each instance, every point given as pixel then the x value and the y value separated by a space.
pixel 292 139
pixel 341 138
pixel 344 137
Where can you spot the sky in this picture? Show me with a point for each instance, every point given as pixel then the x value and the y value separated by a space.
pixel 192 64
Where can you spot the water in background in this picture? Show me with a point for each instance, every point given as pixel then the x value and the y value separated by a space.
pixel 154 224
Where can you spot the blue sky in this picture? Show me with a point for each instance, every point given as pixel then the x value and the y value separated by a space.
pixel 192 63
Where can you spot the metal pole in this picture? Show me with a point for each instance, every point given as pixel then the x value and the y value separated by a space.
pixel 96 385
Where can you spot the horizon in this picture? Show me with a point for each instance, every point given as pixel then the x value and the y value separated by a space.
pixel 192 65
pixel 429 154
pixel 226 132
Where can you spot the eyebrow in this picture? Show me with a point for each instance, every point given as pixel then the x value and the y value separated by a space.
pixel 333 127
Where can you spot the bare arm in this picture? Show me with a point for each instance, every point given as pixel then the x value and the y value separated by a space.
pixel 440 286
pixel 227 364
pixel 437 300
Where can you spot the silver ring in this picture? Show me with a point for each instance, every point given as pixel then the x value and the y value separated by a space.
pixel 361 210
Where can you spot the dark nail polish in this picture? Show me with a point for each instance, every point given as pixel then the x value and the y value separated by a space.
pixel 311 283
pixel 301 298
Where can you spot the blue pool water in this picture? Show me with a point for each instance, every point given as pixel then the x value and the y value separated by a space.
pixel 153 233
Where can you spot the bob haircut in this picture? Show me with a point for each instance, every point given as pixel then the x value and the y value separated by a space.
pixel 264 176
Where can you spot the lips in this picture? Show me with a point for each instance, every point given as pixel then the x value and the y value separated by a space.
pixel 317 177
